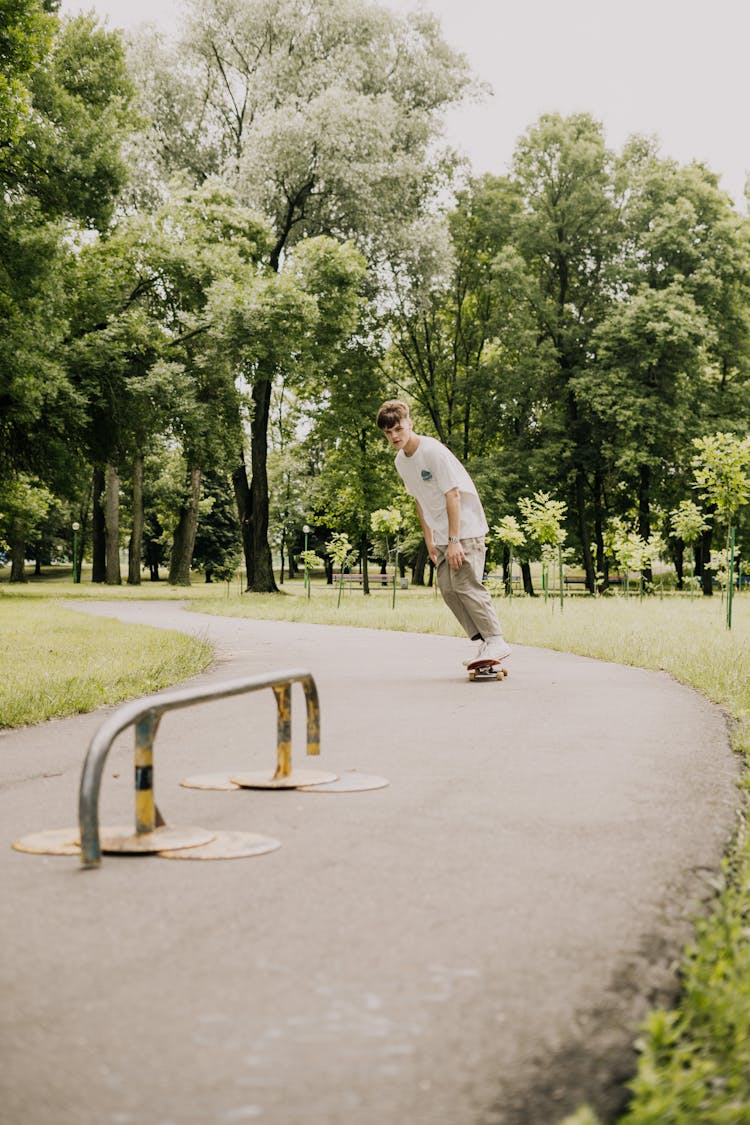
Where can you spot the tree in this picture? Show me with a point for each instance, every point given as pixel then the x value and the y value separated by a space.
pixel 721 472
pixel 289 325
pixel 645 386
pixel 688 523
pixel 462 343
pixel 672 351
pixel 558 264
pixel 26 33
pixel 354 475
pixel 323 114
pixel 144 350
pixel 343 555
pixel 389 522
pixel 511 535
pixel 64 172
pixel 217 542
pixel 70 155
pixel 24 504
pixel 543 521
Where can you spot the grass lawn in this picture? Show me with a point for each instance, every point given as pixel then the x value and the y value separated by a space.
pixel 58 662
pixel 695 1060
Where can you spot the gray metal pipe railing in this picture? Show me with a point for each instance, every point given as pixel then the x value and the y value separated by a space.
pixel 145 715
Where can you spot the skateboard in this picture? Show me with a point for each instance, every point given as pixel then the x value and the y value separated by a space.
pixel 487 670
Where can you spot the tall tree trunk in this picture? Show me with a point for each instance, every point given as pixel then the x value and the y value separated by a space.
pixel 17 559
pixel 364 544
pixel 136 538
pixel 263 581
pixel 678 557
pixel 282 557
pixel 576 428
pixel 602 565
pixel 506 563
pixel 183 541
pixel 420 563
pixel 703 557
pixel 113 577
pixel 154 554
pixel 528 585
pixel 98 534
pixel 644 518
pixel 244 514
pixel 583 531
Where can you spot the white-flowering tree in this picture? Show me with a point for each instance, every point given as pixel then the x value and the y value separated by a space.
pixel 343 555
pixel 721 470
pixel 510 533
pixel 688 522
pixel 388 523
pixel 543 520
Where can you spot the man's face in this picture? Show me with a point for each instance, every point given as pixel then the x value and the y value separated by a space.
pixel 398 435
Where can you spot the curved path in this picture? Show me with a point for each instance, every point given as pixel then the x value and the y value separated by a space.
pixel 473 945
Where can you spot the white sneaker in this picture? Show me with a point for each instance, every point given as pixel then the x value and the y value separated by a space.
pixel 495 648
pixel 477 651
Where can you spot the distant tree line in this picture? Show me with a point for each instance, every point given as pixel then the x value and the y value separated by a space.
pixel 218 256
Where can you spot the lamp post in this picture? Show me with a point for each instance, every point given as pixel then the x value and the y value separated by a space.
pixel 306 530
pixel 76 575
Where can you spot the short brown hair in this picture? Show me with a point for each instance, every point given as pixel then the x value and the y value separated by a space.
pixel 391 413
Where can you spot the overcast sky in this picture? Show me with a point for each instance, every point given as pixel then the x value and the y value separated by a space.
pixel 673 69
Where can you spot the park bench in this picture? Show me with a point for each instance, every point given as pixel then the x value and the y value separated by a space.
pixel 377 579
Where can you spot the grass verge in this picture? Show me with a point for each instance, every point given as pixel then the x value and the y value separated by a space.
pixel 58 662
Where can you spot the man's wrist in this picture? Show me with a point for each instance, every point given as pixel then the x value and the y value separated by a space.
pixel 453 539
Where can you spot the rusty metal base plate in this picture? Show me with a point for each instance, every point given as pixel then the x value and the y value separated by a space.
pixel 265 780
pixel 122 839
pixel 349 781
pixel 56 841
pixel 209 781
pixel 227 845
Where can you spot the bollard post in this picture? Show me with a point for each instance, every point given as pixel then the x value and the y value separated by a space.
pixel 145 809
pixel 283 693
pixel 313 715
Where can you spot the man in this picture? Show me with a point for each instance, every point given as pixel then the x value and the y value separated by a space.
pixel 454 527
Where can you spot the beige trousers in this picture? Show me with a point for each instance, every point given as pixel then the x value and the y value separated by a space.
pixel 467 599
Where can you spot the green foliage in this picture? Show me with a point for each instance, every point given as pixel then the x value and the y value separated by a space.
pixel 24 504
pixel 71 149
pixel 543 518
pixel 688 521
pixel 26 30
pixel 217 543
pixel 510 532
pixel 340 108
pixel 720 471
pixel 310 560
pixel 568 329
pixel 629 550
pixel 387 521
pixel 340 550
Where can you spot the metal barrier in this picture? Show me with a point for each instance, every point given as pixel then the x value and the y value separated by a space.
pixel 146 714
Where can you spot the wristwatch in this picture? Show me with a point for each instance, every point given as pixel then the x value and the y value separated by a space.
pixel 453 539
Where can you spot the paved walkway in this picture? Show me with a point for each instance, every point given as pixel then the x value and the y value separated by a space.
pixel 473 945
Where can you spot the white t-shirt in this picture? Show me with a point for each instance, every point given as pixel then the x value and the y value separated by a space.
pixel 430 472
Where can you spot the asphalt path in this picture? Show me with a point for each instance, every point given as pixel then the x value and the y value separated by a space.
pixel 474 944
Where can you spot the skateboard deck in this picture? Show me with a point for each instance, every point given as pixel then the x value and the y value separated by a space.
pixel 487 670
